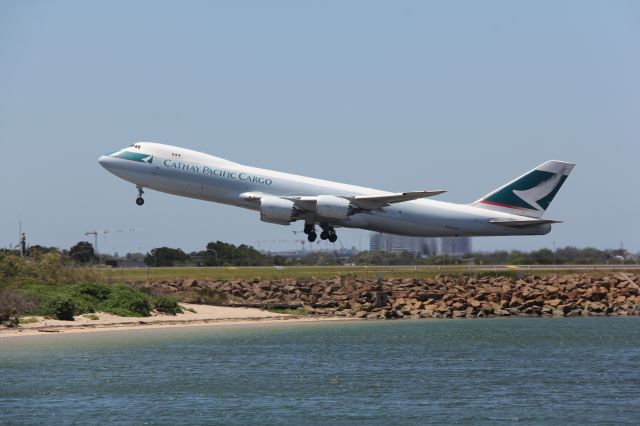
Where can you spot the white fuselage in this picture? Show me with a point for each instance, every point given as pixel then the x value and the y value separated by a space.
pixel 193 174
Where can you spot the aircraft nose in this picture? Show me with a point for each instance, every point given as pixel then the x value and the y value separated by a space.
pixel 104 161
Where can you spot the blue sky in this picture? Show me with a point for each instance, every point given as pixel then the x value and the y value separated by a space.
pixel 459 95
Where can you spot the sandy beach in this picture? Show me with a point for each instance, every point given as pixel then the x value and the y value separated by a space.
pixel 203 315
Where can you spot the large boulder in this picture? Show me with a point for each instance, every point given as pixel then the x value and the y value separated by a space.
pixel 380 299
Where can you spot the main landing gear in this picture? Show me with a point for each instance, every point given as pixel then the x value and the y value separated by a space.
pixel 310 230
pixel 328 233
pixel 139 200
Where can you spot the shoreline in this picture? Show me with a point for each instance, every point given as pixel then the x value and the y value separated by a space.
pixel 349 298
pixel 204 315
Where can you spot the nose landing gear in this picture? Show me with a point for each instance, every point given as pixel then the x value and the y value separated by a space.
pixel 139 200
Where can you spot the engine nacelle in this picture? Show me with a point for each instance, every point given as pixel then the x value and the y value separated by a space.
pixel 333 207
pixel 277 210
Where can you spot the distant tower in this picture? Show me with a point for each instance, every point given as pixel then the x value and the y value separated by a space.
pixel 23 243
pixel 22 238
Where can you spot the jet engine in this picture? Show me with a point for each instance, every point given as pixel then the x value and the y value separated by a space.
pixel 332 207
pixel 277 210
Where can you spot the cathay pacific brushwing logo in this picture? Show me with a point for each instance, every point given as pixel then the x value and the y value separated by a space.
pixel 533 195
pixel 534 191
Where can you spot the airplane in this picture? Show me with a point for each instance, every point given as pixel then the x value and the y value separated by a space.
pixel 515 208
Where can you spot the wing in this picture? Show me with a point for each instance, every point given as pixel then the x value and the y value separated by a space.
pixel 358 202
pixel 365 202
pixel 372 202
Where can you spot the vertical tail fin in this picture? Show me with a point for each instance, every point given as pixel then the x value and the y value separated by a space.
pixel 530 194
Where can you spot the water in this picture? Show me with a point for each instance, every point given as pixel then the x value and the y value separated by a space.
pixel 528 371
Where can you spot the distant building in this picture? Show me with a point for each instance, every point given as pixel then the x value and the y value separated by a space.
pixel 399 243
pixel 450 246
pixel 342 253
pixel 455 246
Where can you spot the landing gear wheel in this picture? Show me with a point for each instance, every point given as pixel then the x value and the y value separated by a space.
pixel 333 238
pixel 309 228
pixel 139 200
pixel 324 235
pixel 312 236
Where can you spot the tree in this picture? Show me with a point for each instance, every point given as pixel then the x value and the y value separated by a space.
pixel 82 252
pixel 38 250
pixel 220 253
pixel 165 256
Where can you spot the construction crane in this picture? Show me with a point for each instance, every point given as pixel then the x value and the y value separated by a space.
pixel 95 236
pixel 104 233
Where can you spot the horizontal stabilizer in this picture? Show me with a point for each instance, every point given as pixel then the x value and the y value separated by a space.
pixel 523 223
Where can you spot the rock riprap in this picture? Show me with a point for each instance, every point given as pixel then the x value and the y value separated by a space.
pixel 439 297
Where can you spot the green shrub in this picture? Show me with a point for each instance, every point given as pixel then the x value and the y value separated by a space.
pixel 85 297
pixel 166 305
pixel 97 291
pixel 50 268
pixel 127 302
pixel 10 266
pixel 60 307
